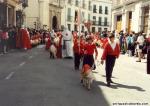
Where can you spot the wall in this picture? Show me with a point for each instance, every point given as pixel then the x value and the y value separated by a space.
pixel 31 13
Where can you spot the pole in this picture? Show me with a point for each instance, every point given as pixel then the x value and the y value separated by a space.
pixel 79 23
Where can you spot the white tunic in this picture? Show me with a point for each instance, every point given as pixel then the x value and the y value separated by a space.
pixel 67 41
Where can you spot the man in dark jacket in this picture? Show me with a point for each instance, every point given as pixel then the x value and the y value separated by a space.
pixel 148 56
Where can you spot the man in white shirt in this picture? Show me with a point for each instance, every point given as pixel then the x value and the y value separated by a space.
pixel 140 42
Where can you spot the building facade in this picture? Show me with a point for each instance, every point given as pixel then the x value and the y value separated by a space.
pixel 101 15
pixel 131 15
pixel 44 14
pixel 93 15
pixel 75 12
pixel 9 12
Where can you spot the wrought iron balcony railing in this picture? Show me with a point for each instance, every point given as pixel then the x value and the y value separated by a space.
pixel 97 23
pixel 70 18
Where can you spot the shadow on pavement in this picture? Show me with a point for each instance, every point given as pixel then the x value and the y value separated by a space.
pixel 112 76
pixel 118 85
pixel 45 82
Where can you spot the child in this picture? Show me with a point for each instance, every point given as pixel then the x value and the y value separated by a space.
pixel 78 51
pixel 89 49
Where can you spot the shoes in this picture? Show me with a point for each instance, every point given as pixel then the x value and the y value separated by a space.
pixel 76 68
pixel 138 61
pixel 111 81
pixel 108 84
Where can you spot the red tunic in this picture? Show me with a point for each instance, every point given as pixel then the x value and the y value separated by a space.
pixel 78 46
pixel 109 51
pixel 90 48
pixel 25 40
pixel 104 42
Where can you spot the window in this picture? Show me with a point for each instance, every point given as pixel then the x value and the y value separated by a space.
pixel 90 7
pixel 100 9
pixel 105 21
pixel 69 15
pixel 99 29
pixel 83 4
pixel 94 20
pixel 94 9
pixel 25 3
pixel 106 10
pixel 69 12
pixel 100 20
pixel 77 3
pixel 93 29
pixel 89 17
pixel 69 27
pixel 76 16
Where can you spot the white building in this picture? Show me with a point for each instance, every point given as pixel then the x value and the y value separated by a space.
pixel 71 13
pixel 94 12
pixel 45 14
pixel 131 15
pixel 101 15
pixel 51 14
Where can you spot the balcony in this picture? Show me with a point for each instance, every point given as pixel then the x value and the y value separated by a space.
pixel 97 23
pixel 70 18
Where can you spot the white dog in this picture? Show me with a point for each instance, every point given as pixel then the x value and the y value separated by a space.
pixel 87 76
pixel 52 51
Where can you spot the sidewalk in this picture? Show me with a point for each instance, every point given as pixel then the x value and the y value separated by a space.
pixel 132 82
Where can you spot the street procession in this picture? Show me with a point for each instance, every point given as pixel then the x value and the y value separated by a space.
pixel 74 52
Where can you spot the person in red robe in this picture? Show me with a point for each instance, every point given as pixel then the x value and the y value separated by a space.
pixel 59 45
pixel 48 43
pixel 25 39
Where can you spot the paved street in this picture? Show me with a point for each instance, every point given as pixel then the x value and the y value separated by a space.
pixel 32 79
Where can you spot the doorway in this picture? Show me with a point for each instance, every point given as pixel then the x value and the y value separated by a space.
pixel 54 23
